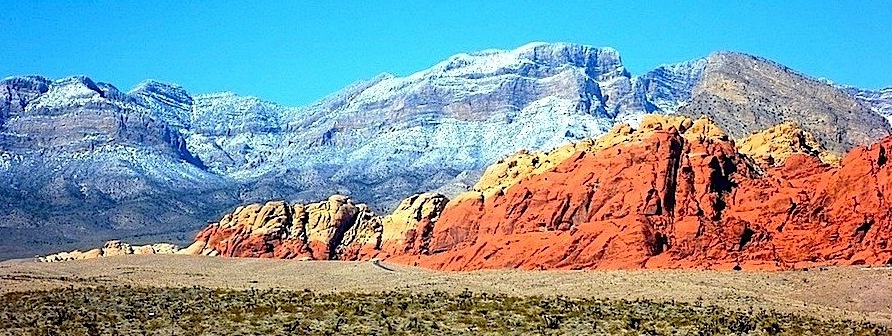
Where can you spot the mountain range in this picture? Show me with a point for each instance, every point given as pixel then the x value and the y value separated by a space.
pixel 82 161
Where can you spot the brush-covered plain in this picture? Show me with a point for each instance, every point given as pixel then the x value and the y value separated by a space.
pixel 128 310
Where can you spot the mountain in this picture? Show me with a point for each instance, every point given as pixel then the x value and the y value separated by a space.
pixel 880 101
pixel 745 94
pixel 673 193
pixel 84 162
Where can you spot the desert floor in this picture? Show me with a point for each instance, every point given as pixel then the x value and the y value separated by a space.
pixel 841 292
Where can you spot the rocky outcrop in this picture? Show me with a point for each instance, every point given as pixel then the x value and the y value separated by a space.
pixel 745 94
pixel 606 208
pixel 328 230
pixel 773 146
pixel 405 231
pixel 675 197
pixel 673 193
pixel 110 249
pixel 318 231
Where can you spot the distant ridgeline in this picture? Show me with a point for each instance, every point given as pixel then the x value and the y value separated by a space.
pixel 671 193
pixel 82 162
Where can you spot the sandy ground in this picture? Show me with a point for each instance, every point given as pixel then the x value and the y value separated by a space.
pixel 847 292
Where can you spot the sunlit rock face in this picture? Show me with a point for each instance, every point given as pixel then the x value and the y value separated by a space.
pixel 82 162
pixel 671 193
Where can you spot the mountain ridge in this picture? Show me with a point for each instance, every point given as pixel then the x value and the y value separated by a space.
pixel 672 193
pixel 377 140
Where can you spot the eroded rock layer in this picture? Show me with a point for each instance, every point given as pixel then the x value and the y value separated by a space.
pixel 675 197
pixel 110 249
pixel 328 230
pixel 673 193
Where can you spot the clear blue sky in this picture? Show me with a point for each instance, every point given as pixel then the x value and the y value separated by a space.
pixel 297 52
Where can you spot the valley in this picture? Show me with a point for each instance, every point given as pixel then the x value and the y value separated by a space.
pixel 857 294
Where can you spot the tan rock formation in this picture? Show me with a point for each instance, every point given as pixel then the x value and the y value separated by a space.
pixel 110 249
pixel 275 229
pixel 773 146
pixel 406 230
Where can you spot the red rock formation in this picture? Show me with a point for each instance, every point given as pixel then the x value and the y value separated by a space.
pixel 278 230
pixel 676 199
pixel 675 193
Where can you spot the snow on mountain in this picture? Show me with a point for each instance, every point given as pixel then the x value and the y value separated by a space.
pixel 880 101
pixel 168 102
pixel 377 140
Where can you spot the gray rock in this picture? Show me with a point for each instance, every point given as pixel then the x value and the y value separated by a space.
pixel 82 162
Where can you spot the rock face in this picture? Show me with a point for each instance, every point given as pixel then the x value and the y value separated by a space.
pixel 880 101
pixel 673 193
pixel 773 146
pixel 328 230
pixel 405 231
pixel 676 197
pixel 317 231
pixel 745 94
pixel 82 162
pixel 112 248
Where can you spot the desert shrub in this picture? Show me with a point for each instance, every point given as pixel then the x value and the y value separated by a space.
pixel 123 311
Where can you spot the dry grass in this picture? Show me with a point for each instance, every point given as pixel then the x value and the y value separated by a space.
pixel 125 310
pixel 836 293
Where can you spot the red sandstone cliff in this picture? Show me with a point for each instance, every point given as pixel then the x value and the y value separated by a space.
pixel 674 193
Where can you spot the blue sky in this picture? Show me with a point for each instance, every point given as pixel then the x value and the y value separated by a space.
pixel 294 52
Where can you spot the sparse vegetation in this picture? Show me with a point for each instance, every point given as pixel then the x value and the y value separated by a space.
pixel 125 310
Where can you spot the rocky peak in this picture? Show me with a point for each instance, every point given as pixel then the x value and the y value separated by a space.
pixel 169 102
pixel 533 60
pixel 228 114
pixel 746 94
pixel 35 84
pixel 669 86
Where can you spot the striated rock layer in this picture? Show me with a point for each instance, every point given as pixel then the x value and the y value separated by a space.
pixel 328 230
pixel 110 249
pixel 675 197
pixel 674 193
